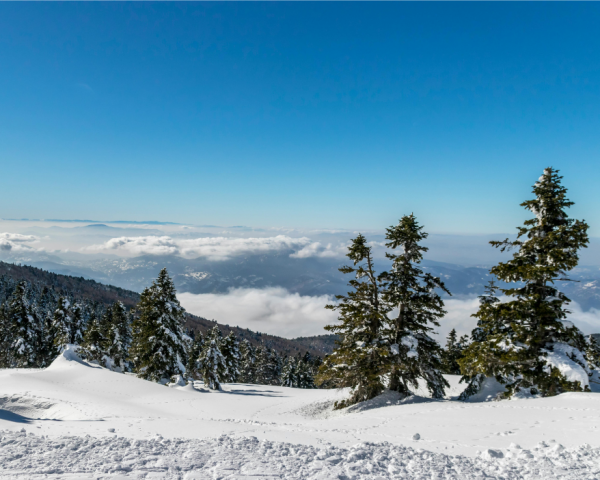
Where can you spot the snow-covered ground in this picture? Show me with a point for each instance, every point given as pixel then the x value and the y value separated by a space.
pixel 81 422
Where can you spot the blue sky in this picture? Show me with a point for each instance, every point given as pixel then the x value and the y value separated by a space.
pixel 325 115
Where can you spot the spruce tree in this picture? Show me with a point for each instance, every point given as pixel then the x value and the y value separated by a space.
pixel 231 352
pixel 304 374
pixel 247 362
pixel 5 338
pixel 413 354
pixel 453 352
pixel 360 357
pixel 194 351
pixel 288 374
pixel 119 338
pixel 67 324
pixel 93 345
pixel 24 327
pixel 212 365
pixel 525 342
pixel 158 347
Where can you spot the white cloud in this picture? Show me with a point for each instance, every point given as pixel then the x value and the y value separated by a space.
pixel 219 248
pixel 316 249
pixel 271 310
pixel 15 242
pixel 460 310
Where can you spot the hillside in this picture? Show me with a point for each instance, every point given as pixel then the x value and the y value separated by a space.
pixel 81 288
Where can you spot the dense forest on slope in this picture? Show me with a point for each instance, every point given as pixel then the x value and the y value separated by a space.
pixel 79 289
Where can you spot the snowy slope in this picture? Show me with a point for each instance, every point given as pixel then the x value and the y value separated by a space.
pixel 138 428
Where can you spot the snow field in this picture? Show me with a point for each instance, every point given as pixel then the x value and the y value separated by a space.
pixel 32 456
pixel 76 421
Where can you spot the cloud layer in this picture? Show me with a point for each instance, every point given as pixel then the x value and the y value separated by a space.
pixel 279 312
pixel 215 248
pixel 15 242
pixel 270 310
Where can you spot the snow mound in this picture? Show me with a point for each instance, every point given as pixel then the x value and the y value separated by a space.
pixel 31 407
pixel 232 458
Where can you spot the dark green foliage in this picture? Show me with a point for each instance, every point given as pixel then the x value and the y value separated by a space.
pixel 212 365
pixel 453 352
pixel 247 363
pixel 68 324
pixel 23 329
pixel 516 341
pixel 158 349
pixel 360 359
pixel 119 338
pixel 414 354
pixel 93 345
pixel 231 352
pixel 194 349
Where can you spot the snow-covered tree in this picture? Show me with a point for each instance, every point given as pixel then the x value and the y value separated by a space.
pixel 304 374
pixel 93 345
pixel 231 351
pixel 25 329
pixel 212 365
pixel 268 366
pixel 413 355
pixel 67 323
pixel 119 338
pixel 194 349
pixel 247 362
pixel 526 343
pixel 360 357
pixel 592 354
pixel 288 373
pixel 158 348
pixel 453 351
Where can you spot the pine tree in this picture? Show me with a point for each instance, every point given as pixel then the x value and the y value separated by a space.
pixel 93 345
pixel 247 363
pixel 6 339
pixel 453 352
pixel 119 339
pixel 360 358
pixel 68 324
pixel 194 351
pixel 231 351
pixel 413 354
pixel 158 347
pixel 24 327
pixel 304 374
pixel 592 353
pixel 522 342
pixel 288 374
pixel 268 367
pixel 212 365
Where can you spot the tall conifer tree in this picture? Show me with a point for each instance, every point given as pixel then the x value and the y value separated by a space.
pixel 24 327
pixel 158 347
pixel 413 354
pixel 525 342
pixel 360 358
pixel 212 365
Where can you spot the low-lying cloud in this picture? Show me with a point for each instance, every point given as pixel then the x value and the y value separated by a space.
pixel 215 248
pixel 271 310
pixel 15 242
pixel 279 312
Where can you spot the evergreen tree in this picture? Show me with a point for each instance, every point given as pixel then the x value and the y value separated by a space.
pixel 413 354
pixel 453 352
pixel 268 367
pixel 288 373
pixel 158 347
pixel 6 339
pixel 93 345
pixel 48 350
pixel 522 342
pixel 231 352
pixel 119 338
pixel 360 357
pixel 212 365
pixel 24 328
pixel 247 362
pixel 304 374
pixel 67 324
pixel 194 351
pixel 592 353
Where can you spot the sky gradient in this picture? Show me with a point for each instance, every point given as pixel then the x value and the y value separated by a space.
pixel 324 115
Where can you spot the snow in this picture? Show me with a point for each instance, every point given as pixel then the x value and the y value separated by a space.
pixel 79 421
pixel 572 370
